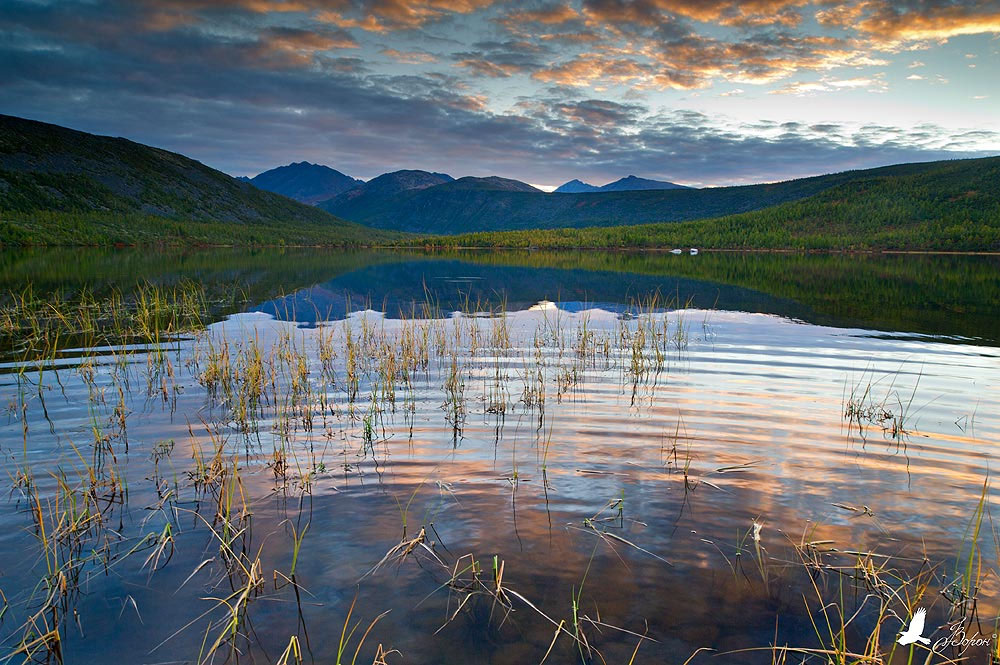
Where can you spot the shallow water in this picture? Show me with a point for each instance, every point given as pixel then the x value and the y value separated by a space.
pixel 602 450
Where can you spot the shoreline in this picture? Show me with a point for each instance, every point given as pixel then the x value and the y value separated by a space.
pixel 508 248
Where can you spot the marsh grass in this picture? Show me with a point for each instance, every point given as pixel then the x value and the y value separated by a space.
pixel 877 402
pixel 290 407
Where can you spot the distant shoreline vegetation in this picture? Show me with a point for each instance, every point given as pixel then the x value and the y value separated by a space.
pixel 60 187
pixel 90 229
pixel 800 226
pixel 954 208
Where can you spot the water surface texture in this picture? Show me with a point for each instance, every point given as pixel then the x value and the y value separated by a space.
pixel 496 458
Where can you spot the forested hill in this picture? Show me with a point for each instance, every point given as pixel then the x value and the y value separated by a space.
pixel 58 185
pixel 448 210
pixel 949 206
pixel 63 187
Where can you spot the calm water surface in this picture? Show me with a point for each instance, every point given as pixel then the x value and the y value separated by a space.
pixel 659 442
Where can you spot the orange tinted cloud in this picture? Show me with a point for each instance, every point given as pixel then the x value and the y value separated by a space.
pixel 594 69
pixel 385 15
pixel 306 41
pixel 484 67
pixel 408 57
pixel 752 12
pixel 551 15
pixel 651 13
pixel 643 43
pixel 291 47
pixel 579 37
pixel 161 15
pixel 590 68
pixel 694 61
pixel 891 24
pixel 885 21
pixel 371 15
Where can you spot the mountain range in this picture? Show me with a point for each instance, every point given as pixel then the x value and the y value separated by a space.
pixel 627 184
pixel 315 183
pixel 61 186
pixel 949 205
pixel 494 204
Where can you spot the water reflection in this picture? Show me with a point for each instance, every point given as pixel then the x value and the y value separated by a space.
pixel 952 296
pixel 623 478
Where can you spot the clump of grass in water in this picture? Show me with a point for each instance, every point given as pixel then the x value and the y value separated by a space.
pixel 963 591
pixel 454 397
pixel 890 413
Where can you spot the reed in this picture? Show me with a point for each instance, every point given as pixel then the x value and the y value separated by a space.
pixel 286 406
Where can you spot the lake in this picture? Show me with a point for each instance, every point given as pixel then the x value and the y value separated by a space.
pixel 282 456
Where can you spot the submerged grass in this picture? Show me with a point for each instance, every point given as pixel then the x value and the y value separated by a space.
pixel 294 409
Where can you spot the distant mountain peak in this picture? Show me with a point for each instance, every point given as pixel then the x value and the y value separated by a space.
pixel 404 179
pixel 575 187
pixel 388 184
pixel 492 183
pixel 635 183
pixel 626 184
pixel 305 182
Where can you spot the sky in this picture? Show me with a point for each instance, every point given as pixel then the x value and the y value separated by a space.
pixel 699 92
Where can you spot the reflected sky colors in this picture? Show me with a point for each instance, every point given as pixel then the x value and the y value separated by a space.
pixel 732 417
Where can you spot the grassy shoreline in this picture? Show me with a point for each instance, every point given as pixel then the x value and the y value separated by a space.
pixel 763 231
pixel 422 247
pixel 508 248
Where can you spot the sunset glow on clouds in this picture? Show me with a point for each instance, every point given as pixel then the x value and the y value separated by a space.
pixel 699 92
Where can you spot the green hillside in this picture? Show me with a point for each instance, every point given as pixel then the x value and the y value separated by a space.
pixel 444 209
pixel 949 206
pixel 63 187
pixel 60 186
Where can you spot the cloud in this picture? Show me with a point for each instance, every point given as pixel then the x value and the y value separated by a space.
pixel 371 15
pixel 546 15
pixel 651 13
pixel 502 59
pixel 483 67
pixel 299 43
pixel 829 84
pixel 388 15
pixel 408 57
pixel 598 112
pixel 660 44
pixel 897 23
pixel 508 88
pixel 687 61
pixel 592 67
